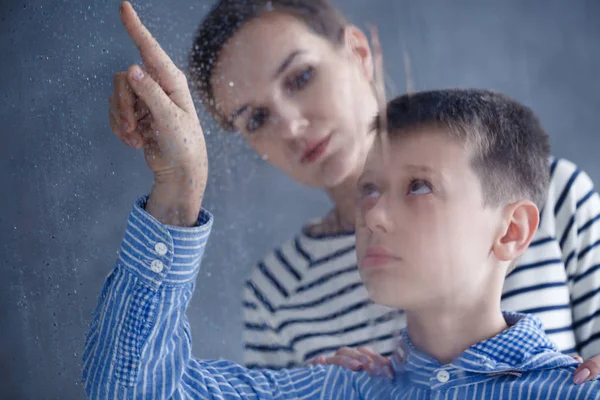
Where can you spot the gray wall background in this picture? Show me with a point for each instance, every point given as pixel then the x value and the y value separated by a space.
pixel 68 184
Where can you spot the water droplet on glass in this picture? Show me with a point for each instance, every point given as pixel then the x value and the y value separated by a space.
pixel 231 84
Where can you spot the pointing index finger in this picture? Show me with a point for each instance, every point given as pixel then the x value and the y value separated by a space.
pixel 158 63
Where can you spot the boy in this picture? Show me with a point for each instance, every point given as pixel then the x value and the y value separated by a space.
pixel 440 222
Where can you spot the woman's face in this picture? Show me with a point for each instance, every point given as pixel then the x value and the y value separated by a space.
pixel 302 103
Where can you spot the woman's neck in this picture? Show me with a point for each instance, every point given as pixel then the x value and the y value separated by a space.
pixel 343 196
pixel 341 218
pixel 344 200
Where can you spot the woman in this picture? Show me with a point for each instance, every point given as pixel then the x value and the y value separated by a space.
pixel 296 80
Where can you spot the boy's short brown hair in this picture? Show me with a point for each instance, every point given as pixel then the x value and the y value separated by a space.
pixel 510 149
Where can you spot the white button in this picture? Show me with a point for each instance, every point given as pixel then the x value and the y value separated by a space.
pixel 443 376
pixel 160 248
pixel 157 266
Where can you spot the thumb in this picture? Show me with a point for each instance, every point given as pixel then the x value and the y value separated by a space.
pixel 148 90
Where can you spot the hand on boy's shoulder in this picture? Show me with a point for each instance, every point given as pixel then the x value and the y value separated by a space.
pixel 588 370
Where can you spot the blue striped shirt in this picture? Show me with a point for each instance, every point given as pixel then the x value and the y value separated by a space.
pixel 139 343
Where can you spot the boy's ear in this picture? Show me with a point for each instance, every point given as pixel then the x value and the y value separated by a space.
pixel 358 45
pixel 520 222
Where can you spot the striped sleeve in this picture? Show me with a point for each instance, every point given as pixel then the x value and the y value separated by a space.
pixel 577 212
pixel 273 280
pixel 264 347
pixel 139 341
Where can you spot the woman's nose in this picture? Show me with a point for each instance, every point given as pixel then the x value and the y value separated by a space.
pixel 294 127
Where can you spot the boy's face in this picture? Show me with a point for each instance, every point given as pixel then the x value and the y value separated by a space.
pixel 423 236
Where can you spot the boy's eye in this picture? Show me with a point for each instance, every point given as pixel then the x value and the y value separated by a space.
pixel 302 79
pixel 257 119
pixel 368 190
pixel 419 187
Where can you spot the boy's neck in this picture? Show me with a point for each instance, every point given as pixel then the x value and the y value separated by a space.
pixel 444 333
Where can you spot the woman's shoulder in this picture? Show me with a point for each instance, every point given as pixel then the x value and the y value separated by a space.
pixel 567 180
pixel 293 259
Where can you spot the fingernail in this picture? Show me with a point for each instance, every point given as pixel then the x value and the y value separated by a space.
pixel 355 365
pixel 134 142
pixel 581 376
pixel 363 359
pixel 138 74
pixel 125 126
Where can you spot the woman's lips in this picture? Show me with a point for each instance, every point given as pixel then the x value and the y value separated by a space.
pixel 313 153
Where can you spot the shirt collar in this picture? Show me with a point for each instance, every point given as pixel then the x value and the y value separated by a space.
pixel 522 347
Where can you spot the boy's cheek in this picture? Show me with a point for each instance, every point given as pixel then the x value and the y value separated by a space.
pixel 362 238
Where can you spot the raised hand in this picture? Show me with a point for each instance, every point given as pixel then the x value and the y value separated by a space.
pixel 153 109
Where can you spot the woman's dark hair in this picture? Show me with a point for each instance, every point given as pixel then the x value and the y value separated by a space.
pixel 228 16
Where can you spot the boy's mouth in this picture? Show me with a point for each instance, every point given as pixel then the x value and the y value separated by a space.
pixel 377 256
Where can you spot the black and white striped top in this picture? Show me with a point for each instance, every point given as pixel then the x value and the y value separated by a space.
pixel 306 297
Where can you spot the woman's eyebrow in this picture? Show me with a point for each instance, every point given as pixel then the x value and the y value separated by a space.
pixel 286 62
pixel 280 70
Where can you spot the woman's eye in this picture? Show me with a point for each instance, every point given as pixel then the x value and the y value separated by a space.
pixel 418 187
pixel 301 80
pixel 256 120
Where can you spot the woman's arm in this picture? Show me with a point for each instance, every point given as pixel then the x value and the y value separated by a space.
pixel 576 209
pixel 577 213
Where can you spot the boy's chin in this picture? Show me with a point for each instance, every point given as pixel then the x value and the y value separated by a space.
pixel 384 294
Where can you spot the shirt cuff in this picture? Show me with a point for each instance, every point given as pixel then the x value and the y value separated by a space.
pixel 163 255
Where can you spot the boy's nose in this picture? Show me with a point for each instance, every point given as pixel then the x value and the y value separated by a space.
pixel 377 217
